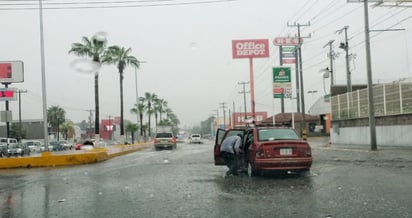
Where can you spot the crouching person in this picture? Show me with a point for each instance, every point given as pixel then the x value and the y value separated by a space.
pixel 230 150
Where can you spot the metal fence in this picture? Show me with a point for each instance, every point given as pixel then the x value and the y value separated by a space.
pixel 389 99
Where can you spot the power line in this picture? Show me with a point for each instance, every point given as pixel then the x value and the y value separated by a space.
pixel 105 6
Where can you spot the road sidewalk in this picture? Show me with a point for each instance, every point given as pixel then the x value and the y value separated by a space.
pixel 361 153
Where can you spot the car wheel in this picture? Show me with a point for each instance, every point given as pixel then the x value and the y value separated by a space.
pixel 253 172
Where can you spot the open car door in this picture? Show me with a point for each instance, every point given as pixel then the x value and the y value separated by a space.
pixel 221 134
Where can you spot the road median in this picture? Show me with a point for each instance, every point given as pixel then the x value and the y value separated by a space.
pixel 50 159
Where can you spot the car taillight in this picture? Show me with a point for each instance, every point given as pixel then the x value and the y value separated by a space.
pixel 308 152
pixel 173 140
pixel 305 152
pixel 154 140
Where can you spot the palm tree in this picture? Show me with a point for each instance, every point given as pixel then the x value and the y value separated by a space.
pixel 132 128
pixel 67 129
pixel 93 48
pixel 139 108
pixel 149 98
pixel 120 56
pixel 56 116
pixel 163 104
pixel 157 108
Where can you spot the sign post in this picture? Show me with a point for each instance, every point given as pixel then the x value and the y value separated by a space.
pixel 251 48
pixel 10 72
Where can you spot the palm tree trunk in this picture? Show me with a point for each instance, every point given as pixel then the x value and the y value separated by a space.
pixel 149 111
pixel 121 105
pixel 141 124
pixel 156 120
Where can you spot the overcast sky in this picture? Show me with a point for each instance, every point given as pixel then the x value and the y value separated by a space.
pixel 188 51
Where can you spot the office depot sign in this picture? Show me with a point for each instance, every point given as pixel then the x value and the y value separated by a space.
pixel 250 48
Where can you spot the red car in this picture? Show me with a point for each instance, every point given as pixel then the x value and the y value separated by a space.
pixel 79 145
pixel 269 149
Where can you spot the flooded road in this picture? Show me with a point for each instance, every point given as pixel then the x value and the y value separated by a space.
pixel 185 183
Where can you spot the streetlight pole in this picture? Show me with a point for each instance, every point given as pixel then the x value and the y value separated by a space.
pixel 43 73
pixel 137 92
pixel 20 127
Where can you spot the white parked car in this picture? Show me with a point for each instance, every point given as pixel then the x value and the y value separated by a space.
pixel 34 145
pixel 195 139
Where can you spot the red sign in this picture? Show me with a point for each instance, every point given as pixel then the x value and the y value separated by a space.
pixel 250 48
pixel 289 61
pixel 239 117
pixel 7 94
pixel 286 41
pixel 5 70
pixel 278 91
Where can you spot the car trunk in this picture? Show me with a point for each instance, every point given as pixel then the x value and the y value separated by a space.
pixel 284 148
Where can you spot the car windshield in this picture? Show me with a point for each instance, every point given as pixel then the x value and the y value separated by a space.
pixel 15 146
pixel 164 135
pixel 276 134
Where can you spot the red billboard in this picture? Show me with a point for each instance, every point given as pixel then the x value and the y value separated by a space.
pixel 250 48
pixel 7 94
pixel 286 41
pixel 11 72
pixel 239 117
pixel 5 70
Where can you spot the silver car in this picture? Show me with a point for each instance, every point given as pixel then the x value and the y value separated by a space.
pixel 18 149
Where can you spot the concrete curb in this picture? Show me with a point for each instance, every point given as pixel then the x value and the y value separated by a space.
pixel 48 159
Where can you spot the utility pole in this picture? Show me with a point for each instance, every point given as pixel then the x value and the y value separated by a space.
pixel 282 99
pixel 345 46
pixel 230 120
pixel 244 96
pixel 372 124
pixel 110 128
pixel 6 85
pixel 223 104
pixel 217 118
pixel 331 56
pixel 297 79
pixel 20 127
pixel 302 93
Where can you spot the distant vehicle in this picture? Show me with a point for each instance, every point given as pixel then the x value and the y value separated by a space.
pixel 8 141
pixel 180 138
pixel 66 145
pixel 164 138
pixel 18 149
pixel 3 150
pixel 34 146
pixel 269 149
pixel 85 145
pixel 195 139
pixel 56 146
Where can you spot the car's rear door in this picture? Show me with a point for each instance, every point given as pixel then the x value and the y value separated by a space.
pixel 221 134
